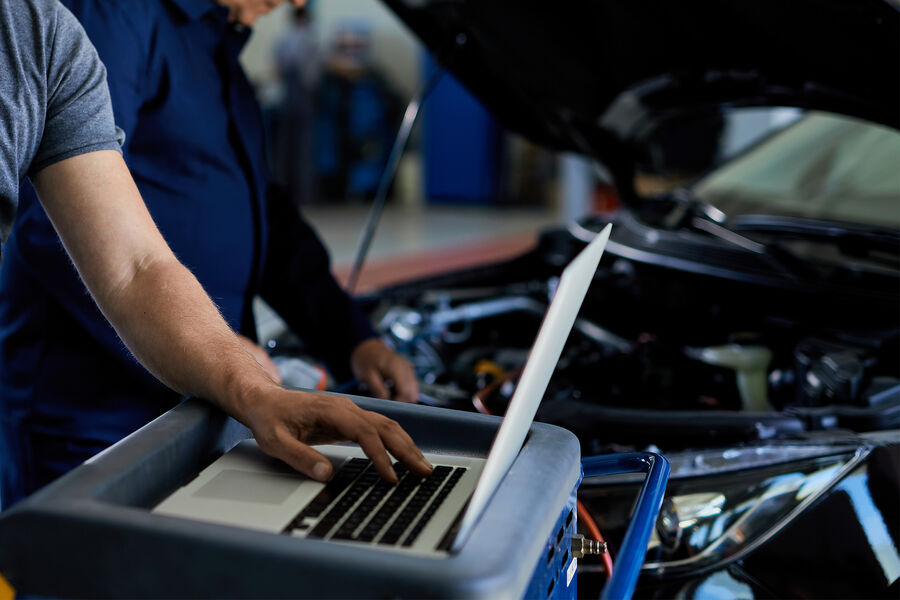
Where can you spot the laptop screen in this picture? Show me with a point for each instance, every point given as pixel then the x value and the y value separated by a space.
pixel 539 367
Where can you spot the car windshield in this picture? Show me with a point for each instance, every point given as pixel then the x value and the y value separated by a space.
pixel 823 167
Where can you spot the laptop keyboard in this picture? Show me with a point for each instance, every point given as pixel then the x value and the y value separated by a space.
pixel 358 505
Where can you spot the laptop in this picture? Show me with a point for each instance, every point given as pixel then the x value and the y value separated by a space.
pixel 430 516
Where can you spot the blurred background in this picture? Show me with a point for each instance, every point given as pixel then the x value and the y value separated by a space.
pixel 334 79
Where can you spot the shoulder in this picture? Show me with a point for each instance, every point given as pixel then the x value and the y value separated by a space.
pixel 39 38
pixel 40 13
pixel 36 19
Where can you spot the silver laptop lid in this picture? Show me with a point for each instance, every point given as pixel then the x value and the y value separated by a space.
pixel 554 331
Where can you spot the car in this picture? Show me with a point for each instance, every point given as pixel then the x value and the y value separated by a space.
pixel 745 323
pixel 766 371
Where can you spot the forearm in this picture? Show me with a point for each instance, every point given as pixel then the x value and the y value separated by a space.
pixel 171 325
pixel 166 319
pixel 155 304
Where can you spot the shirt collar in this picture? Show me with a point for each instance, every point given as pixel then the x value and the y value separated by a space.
pixel 194 9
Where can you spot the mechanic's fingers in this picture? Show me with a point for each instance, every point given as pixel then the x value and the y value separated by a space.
pixel 371 444
pixel 398 442
pixel 375 434
pixel 406 388
pixel 301 457
pixel 373 380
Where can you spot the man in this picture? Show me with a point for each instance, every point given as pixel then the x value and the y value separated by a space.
pixel 56 126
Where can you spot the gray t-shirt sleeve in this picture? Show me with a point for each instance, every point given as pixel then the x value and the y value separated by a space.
pixel 79 117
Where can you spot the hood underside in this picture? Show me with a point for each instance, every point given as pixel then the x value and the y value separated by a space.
pixel 596 77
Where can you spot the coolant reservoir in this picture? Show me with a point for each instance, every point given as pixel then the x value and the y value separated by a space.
pixel 750 364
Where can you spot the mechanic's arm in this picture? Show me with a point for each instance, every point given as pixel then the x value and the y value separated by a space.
pixel 170 324
pixel 297 282
pixel 374 364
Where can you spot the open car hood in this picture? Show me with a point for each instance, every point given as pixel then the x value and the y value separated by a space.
pixel 598 76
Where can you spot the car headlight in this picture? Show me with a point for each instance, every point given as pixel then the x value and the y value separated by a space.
pixel 720 505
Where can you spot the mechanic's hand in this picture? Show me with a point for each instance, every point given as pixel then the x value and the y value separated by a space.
pixel 284 422
pixel 374 364
pixel 261 357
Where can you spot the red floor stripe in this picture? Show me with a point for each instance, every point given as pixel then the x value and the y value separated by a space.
pixel 391 270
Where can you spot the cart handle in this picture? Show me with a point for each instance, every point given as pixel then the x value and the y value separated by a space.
pixel 637 537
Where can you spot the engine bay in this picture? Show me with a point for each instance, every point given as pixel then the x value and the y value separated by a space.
pixel 657 356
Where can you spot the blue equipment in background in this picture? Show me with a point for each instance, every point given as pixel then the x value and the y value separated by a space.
pixel 355 123
pixel 462 145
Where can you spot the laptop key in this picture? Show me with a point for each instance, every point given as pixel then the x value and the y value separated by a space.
pixel 358 487
pixel 346 530
pixel 406 517
pixel 433 507
pixel 346 502
pixel 396 498
pixel 332 490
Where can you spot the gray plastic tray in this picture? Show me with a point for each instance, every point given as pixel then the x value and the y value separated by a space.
pixel 90 534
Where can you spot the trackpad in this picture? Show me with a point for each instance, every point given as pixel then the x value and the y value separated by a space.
pixel 247 486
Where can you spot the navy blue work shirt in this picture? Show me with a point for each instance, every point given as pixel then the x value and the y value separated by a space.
pixel 194 144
